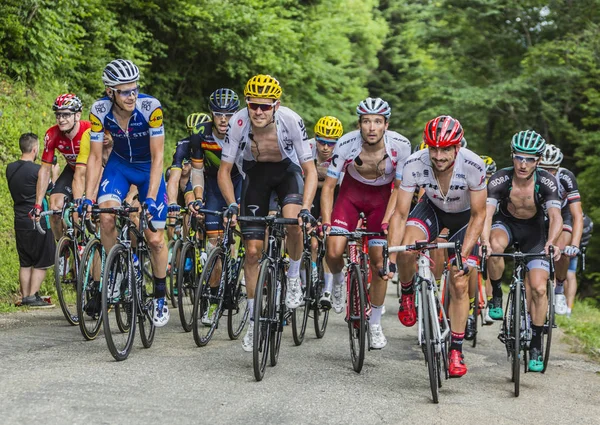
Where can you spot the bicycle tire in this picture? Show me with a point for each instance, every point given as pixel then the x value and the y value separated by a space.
pixel 280 315
pixel 204 298
pixel 516 331
pixel 145 300
pixel 300 314
pixel 429 344
pixel 174 272
pixel 320 314
pixel 238 313
pixel 549 324
pixel 187 282
pixel 65 279
pixel 357 320
pixel 118 263
pixel 89 292
pixel 475 313
pixel 264 312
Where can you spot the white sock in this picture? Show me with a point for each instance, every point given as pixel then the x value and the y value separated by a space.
pixel 294 269
pixel 251 309
pixel 338 278
pixel 328 282
pixel 376 311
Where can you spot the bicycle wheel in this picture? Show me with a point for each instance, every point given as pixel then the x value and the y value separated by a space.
pixel 548 325
pixel 320 314
pixel 357 322
pixel 264 314
pixel 145 294
pixel 206 297
pixel 65 278
pixel 173 271
pixel 476 313
pixel 516 334
pixel 118 302
pixel 300 314
pixel 237 312
pixel 187 282
pixel 281 313
pixel 429 342
pixel 89 289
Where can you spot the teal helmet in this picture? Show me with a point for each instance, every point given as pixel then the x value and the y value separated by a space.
pixel 528 142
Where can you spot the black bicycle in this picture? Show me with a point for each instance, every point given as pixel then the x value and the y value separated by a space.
pixel 515 332
pixel 127 286
pixel 221 288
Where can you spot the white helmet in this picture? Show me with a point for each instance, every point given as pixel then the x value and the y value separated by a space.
pixel 120 71
pixel 552 157
pixel 376 106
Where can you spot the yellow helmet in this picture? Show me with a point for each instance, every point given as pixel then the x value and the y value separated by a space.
pixel 263 86
pixel 490 165
pixel 419 147
pixel 194 121
pixel 329 128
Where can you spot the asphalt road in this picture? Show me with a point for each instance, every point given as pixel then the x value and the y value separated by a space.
pixel 50 375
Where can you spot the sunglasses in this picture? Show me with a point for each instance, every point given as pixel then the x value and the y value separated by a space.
pixel 223 114
pixel 525 159
pixel 126 93
pixel 63 115
pixel 262 106
pixel 326 142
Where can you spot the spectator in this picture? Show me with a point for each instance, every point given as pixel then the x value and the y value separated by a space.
pixel 36 251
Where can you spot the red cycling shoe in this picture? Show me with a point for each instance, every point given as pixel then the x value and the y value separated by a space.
pixel 407 314
pixel 456 364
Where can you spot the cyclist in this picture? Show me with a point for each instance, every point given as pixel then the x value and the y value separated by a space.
pixel 64 136
pixel 490 168
pixel 135 122
pixel 81 164
pixel 454 182
pixel 372 158
pixel 327 132
pixel 572 215
pixel 269 145
pixel 517 198
pixel 571 284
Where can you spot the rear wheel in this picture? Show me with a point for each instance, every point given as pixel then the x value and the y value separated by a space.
pixel 476 312
pixel 321 315
pixel 280 315
pixel 264 312
pixel 173 271
pixel 118 302
pixel 357 323
pixel 516 334
pixel 237 313
pixel 89 290
pixel 208 298
pixel 65 279
pixel 187 282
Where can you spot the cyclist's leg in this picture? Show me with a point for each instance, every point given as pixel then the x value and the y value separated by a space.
pixel 500 239
pixel 571 285
pixel 62 188
pixel 537 279
pixel 561 268
pixel 113 185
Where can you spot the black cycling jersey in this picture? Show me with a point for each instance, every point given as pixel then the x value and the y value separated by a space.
pixel 588 227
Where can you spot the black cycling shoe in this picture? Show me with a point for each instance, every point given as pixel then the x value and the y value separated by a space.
pixel 470 330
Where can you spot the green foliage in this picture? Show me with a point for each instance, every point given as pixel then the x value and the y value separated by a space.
pixel 584 325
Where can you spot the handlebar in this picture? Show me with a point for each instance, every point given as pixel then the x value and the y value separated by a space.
pixel 518 255
pixel 421 246
pixel 43 214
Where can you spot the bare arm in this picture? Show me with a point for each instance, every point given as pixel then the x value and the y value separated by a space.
pixel 225 183
pixel 398 219
pixel 42 183
pixel 476 222
pixel 197 176
pixel 310 184
pixel 555 228
pixel 173 185
pixel 391 206
pixel 157 145
pixel 577 214
pixel 93 170
pixel 487 226
pixel 327 199
pixel 79 181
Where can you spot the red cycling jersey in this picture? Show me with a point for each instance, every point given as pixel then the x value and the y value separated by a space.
pixel 56 139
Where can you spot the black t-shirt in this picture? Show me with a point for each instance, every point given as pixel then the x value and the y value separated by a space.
pixel 22 179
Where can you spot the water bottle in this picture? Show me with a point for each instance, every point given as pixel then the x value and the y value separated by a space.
pixel 203 257
pixel 137 268
pixel 278 295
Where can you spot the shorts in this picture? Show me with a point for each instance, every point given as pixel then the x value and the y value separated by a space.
pixel 529 234
pixel 34 249
pixel 262 179
pixel 64 183
pixel 120 174
pixel 573 264
pixel 432 221
pixel 213 200
pixel 356 197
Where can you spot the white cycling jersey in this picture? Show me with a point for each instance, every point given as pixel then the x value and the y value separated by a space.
pixel 291 135
pixel 349 147
pixel 468 175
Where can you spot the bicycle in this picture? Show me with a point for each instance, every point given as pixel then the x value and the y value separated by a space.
pixel 191 262
pixel 67 259
pixel 433 328
pixel 515 332
pixel 320 313
pixel 174 248
pixel 270 311
pixel 358 305
pixel 127 286
pixel 229 296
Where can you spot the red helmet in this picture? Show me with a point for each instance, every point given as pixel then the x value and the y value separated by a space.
pixel 442 132
pixel 67 102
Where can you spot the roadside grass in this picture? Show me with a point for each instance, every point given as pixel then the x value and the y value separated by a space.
pixel 584 327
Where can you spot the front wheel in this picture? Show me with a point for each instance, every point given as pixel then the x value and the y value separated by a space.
pixel 208 301
pixel 264 315
pixel 237 313
pixel 548 325
pixel 187 282
pixel 355 316
pixel 89 289
pixel 300 314
pixel 516 334
pixel 321 315
pixel 65 278
pixel 429 343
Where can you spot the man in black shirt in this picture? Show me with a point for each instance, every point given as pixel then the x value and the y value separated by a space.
pixel 36 251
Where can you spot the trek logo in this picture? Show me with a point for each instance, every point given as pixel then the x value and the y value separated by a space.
pixel 461 176
pixel 498 181
pixel 473 164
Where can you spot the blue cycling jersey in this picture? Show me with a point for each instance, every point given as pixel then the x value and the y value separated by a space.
pixel 131 144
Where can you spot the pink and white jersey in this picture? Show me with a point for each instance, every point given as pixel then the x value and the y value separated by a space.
pixel 347 153
pixel 291 135
pixel 468 175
